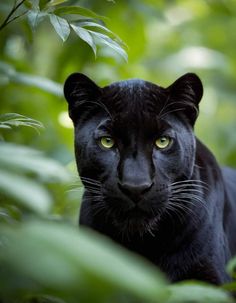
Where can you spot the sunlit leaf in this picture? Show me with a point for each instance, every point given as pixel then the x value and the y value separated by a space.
pixel 61 26
pixel 86 36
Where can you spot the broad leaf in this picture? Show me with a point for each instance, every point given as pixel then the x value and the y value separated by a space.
pixel 61 258
pixel 37 81
pixel 61 26
pixel 28 193
pixel 86 36
pixel 77 10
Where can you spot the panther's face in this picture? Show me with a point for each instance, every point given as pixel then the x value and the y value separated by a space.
pixel 134 146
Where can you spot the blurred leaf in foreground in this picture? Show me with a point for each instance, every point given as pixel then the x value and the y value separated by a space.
pixel 58 260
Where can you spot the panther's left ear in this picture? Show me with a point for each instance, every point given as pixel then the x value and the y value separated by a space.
pixel 186 93
pixel 79 90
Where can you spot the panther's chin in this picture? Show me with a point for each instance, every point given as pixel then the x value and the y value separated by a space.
pixel 136 222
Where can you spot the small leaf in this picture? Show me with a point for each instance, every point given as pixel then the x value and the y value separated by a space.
pixel 12 119
pixel 77 10
pixel 85 35
pixel 5 126
pixel 28 193
pixel 35 17
pixel 61 26
pixel 43 4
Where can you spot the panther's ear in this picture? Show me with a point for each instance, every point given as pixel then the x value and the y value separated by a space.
pixel 186 93
pixel 79 90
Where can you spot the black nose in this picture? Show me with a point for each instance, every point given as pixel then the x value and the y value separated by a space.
pixel 135 191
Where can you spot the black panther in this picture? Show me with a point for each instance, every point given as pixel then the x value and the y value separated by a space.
pixel 150 184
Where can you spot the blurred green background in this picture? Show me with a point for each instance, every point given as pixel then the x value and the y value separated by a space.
pixel 163 40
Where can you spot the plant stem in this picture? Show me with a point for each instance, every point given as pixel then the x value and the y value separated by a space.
pixel 13 10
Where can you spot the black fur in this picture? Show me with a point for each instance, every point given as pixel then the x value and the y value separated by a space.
pixel 174 206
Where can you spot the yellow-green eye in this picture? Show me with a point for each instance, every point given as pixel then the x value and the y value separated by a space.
pixel 107 142
pixel 163 142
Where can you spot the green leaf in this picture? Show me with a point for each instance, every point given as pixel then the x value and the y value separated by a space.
pixel 93 24
pixel 37 81
pixel 12 119
pixel 31 80
pixel 77 10
pixel 4 126
pixel 43 4
pixel 35 17
pixel 104 39
pixel 25 191
pixel 56 2
pixel 231 268
pixel 86 36
pixel 197 292
pixel 61 26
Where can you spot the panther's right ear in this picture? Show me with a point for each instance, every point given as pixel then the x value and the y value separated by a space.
pixel 78 91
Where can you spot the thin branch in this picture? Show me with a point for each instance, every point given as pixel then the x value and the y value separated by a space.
pixel 16 17
pixel 13 10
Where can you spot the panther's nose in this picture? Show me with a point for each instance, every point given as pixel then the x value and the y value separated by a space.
pixel 135 190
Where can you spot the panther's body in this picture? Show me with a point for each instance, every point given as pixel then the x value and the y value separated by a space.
pixel 149 183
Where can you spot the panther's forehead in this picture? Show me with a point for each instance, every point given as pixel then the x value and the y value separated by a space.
pixel 134 96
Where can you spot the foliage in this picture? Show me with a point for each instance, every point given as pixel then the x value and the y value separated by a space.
pixel 44 257
pixel 62 19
